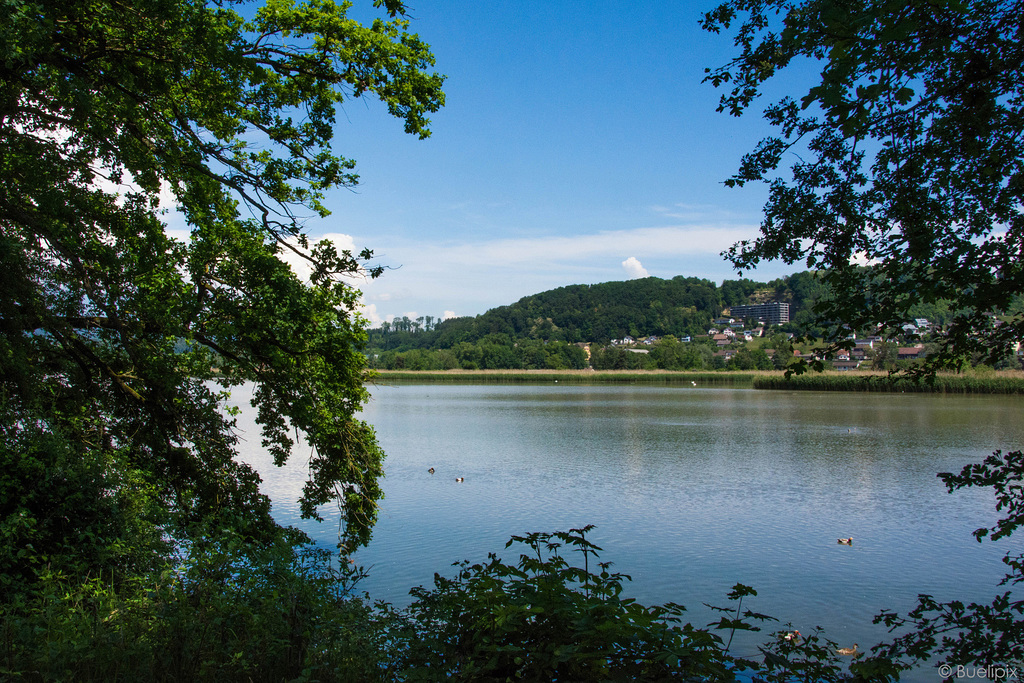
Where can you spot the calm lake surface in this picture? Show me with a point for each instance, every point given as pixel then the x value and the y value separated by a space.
pixel 691 489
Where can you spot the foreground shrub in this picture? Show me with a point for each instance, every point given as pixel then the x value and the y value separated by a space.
pixel 545 619
pixel 232 611
pixel 237 610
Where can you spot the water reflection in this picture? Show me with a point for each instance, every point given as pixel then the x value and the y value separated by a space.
pixel 692 490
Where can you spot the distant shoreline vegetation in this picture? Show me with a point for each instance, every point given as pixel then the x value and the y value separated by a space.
pixel 1006 382
pixel 568 377
pixel 1011 382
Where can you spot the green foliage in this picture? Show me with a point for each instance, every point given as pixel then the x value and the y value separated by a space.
pixel 613 358
pixel 750 359
pixel 671 354
pixel 737 292
pixel 973 635
pixel 116 339
pixel 530 354
pixel 907 154
pixel 545 618
pixel 233 611
pixel 68 509
pixel 548 618
pixel 574 377
pixel 230 611
pixel 537 330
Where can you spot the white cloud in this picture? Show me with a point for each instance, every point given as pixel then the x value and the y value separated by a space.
pixel 303 270
pixel 448 315
pixel 467 265
pixel 301 266
pixel 473 276
pixel 644 241
pixel 369 312
pixel 861 259
pixel 634 269
pixel 693 213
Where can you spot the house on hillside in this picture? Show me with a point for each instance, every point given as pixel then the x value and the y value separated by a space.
pixel 910 352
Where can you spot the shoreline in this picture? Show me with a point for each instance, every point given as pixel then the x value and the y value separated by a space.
pixel 571 376
pixel 997 382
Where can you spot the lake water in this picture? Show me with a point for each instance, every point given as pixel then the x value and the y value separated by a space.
pixel 691 490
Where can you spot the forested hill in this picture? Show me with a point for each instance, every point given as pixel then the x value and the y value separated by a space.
pixel 682 306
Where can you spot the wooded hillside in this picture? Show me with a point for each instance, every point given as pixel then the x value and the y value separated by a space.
pixel 682 306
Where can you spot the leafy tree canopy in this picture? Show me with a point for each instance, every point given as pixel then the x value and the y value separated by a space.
pixel 910 159
pixel 908 154
pixel 115 338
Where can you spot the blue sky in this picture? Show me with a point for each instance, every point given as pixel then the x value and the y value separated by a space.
pixel 577 145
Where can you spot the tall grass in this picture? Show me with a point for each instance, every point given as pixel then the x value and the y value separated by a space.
pixel 978 383
pixel 989 383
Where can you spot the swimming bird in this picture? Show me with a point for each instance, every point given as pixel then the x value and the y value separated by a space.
pixel 431 470
pixel 460 479
pixel 845 541
pixel 792 637
pixel 848 650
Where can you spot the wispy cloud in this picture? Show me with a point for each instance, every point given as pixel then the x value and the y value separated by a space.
pixel 698 213
pixel 653 241
pixel 473 275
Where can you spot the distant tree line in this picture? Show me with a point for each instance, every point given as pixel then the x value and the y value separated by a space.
pixel 668 353
pixel 596 313
pixel 549 330
pixel 495 352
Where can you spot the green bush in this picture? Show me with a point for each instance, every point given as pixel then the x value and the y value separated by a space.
pixel 546 619
pixel 232 611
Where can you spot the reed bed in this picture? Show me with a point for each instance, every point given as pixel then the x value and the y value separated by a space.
pixel 995 383
pixel 657 377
